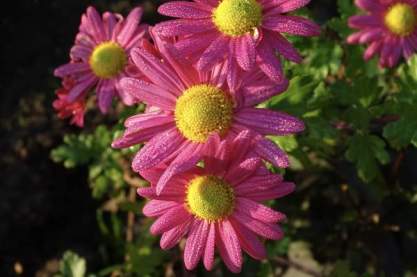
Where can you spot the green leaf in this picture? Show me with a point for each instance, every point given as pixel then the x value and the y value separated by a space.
pixel 342 269
pixel 72 265
pixel 404 131
pixel 367 152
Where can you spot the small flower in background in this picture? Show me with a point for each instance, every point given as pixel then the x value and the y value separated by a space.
pixel 193 105
pixel 100 56
pixel 389 27
pixel 218 206
pixel 65 108
pixel 247 32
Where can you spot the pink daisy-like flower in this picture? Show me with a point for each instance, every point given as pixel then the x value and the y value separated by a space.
pixel 248 32
pixel 218 206
pixel 66 109
pixel 100 56
pixel 389 27
pixel 188 106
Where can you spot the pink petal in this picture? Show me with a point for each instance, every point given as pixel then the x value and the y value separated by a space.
pixel 130 26
pixel 292 25
pixel 181 27
pixel 267 230
pixel 105 92
pixel 258 211
pixel 82 87
pixel 174 217
pixel 229 246
pixel 187 159
pixel 243 170
pixel 71 68
pixel 245 52
pixel 149 93
pixel 170 238
pixel 208 257
pixel 157 150
pixel 287 6
pixel 156 208
pixel 269 122
pixel 96 24
pixel 156 71
pixel 213 54
pixel 249 241
pixel 272 153
pixel 196 242
pixel 182 9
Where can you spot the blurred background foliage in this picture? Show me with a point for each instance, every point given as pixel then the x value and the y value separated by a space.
pixel 68 205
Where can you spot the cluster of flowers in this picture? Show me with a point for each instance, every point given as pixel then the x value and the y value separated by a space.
pixel 202 76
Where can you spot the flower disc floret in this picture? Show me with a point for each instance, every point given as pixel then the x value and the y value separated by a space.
pixel 107 60
pixel 210 198
pixel 401 19
pixel 237 17
pixel 202 110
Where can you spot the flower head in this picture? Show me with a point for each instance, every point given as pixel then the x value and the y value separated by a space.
pixel 247 32
pixel 65 108
pixel 218 205
pixel 100 56
pixel 389 27
pixel 193 110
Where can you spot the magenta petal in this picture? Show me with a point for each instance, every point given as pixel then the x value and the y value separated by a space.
pixel 170 238
pixel 208 257
pixel 148 93
pixel 267 230
pixel 131 24
pixel 182 9
pixel 214 53
pixel 185 160
pixel 156 208
pixel 157 150
pixel 71 68
pixel 249 241
pixel 81 87
pixel 272 153
pixel 292 25
pixel 269 122
pixel 105 92
pixel 174 217
pixel 232 253
pixel 196 243
pixel 245 52
pixel 181 27
pixel 258 211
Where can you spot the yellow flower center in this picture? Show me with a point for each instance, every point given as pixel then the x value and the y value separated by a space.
pixel 237 17
pixel 401 19
pixel 202 110
pixel 210 198
pixel 107 60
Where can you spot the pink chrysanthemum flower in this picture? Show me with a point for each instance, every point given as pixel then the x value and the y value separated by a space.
pixel 389 27
pixel 188 106
pixel 65 109
pixel 245 31
pixel 218 206
pixel 100 56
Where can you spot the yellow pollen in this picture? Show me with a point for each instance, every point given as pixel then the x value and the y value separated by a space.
pixel 210 198
pixel 202 110
pixel 237 17
pixel 401 19
pixel 107 60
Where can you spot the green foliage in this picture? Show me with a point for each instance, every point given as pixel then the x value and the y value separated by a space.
pixel 366 151
pixel 360 120
pixel 72 265
pixel 342 269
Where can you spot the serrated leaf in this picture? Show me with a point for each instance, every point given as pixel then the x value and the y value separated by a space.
pixel 367 152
